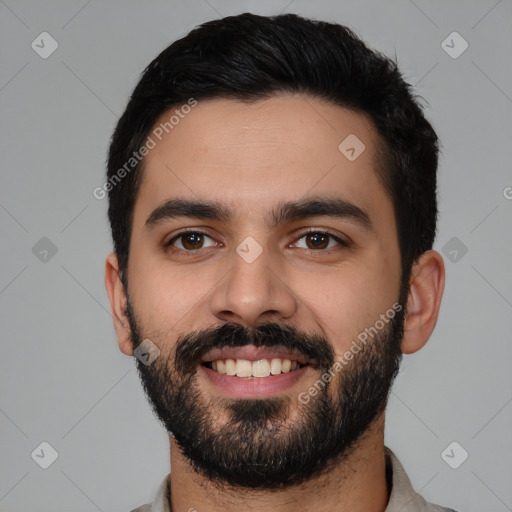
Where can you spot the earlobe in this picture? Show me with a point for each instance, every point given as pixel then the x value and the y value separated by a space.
pixel 424 300
pixel 117 298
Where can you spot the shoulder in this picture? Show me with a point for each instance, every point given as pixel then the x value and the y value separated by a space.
pixel 142 508
pixel 161 501
pixel 403 497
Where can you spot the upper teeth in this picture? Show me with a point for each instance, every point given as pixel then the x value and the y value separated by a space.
pixel 260 368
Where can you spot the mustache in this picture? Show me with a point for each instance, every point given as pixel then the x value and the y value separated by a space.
pixel 192 347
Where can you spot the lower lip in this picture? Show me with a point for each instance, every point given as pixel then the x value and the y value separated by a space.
pixel 238 387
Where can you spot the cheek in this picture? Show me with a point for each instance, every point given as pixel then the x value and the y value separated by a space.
pixel 347 300
pixel 164 297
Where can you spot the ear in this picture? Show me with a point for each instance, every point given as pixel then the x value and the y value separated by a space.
pixel 424 300
pixel 117 297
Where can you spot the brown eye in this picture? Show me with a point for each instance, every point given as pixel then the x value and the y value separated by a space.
pixel 318 240
pixel 192 241
pixel 188 241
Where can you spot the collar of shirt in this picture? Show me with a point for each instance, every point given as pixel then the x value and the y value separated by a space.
pixel 403 498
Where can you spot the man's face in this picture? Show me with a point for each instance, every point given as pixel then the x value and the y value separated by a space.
pixel 253 285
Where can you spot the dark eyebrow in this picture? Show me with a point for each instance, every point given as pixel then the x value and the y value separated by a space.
pixel 284 212
pixel 316 207
pixel 175 208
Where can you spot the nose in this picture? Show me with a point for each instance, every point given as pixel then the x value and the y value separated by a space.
pixel 254 292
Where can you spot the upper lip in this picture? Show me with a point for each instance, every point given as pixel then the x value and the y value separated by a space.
pixel 252 353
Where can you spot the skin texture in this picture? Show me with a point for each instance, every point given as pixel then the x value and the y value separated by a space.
pixel 252 157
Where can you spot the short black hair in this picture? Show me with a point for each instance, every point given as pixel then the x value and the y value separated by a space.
pixel 250 57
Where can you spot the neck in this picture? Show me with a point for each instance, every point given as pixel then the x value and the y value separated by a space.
pixel 356 484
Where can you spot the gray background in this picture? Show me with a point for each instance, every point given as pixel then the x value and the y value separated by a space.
pixel 63 379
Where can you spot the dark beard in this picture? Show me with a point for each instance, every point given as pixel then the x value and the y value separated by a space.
pixel 257 448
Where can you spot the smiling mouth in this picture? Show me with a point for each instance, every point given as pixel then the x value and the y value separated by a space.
pixel 259 369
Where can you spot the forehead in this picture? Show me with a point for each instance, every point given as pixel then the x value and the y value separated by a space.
pixel 253 155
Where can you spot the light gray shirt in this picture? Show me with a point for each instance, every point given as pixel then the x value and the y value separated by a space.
pixel 402 497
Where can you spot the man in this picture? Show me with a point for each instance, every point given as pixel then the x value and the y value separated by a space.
pixel 272 198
